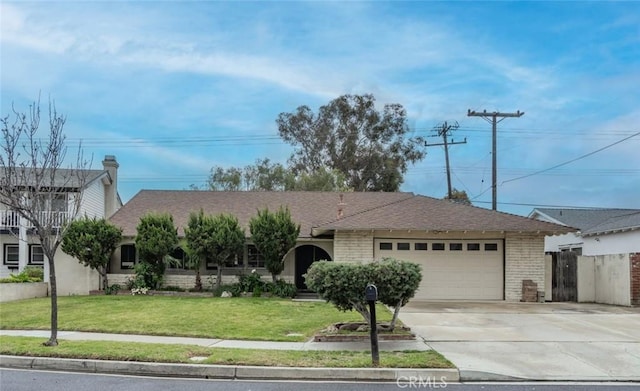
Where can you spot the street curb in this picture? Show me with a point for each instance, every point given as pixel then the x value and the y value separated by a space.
pixel 480 376
pixel 228 371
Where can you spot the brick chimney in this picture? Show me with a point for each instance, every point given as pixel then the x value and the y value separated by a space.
pixel 111 204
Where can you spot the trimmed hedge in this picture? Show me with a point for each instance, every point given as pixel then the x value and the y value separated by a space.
pixel 343 284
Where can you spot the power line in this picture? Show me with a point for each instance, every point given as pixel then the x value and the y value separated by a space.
pixel 572 160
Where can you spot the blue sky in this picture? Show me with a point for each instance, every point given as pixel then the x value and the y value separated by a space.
pixel 174 88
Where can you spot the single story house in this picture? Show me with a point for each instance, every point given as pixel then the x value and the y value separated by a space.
pixel 466 252
pixel 599 231
pixel 600 262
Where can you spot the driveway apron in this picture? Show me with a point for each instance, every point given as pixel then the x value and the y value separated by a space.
pixel 537 341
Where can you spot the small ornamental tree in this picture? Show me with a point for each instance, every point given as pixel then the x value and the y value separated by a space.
pixel 196 246
pixel 397 283
pixel 93 242
pixel 343 284
pixel 214 238
pixel 274 235
pixel 157 237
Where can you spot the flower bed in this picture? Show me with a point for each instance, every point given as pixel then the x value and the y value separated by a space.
pixel 155 293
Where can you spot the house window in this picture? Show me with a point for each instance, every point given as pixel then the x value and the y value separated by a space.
pixel 11 254
pixel 231 262
pixel 491 247
pixel 36 255
pixel 455 246
pixel 404 246
pixel 438 246
pixel 52 202
pixel 473 246
pixel 386 246
pixel 254 258
pixel 179 259
pixel 127 256
pixel 59 202
pixel 420 246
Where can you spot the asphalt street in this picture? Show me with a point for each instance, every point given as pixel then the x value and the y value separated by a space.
pixel 30 380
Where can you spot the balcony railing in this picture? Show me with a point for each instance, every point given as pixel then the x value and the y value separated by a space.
pixel 10 219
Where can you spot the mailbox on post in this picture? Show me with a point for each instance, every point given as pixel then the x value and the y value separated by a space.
pixel 371 295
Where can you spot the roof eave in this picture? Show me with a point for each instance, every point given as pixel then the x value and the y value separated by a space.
pixel 610 231
pixel 317 231
pixel 546 216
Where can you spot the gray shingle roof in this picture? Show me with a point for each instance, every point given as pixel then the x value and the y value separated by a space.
pixel 592 221
pixel 319 211
pixel 625 222
pixel 64 178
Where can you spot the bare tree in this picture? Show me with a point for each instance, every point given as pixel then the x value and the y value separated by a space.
pixel 35 185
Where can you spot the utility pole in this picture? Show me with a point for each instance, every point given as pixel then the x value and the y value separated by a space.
pixel 444 131
pixel 492 118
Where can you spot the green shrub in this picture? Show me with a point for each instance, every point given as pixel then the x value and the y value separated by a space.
pixel 28 274
pixel 234 289
pixel 34 272
pixel 282 289
pixel 343 284
pixel 146 276
pixel 251 282
pixel 112 289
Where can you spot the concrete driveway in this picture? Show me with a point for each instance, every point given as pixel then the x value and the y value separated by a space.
pixel 540 341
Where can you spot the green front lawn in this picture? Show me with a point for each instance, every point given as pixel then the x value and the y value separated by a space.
pixel 128 351
pixel 262 319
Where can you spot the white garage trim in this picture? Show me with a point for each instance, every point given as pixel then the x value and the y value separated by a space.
pixel 464 269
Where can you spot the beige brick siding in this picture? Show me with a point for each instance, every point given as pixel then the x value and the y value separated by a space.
pixel 524 255
pixel 353 247
pixel 187 281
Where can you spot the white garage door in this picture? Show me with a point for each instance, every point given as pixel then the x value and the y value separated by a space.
pixel 451 269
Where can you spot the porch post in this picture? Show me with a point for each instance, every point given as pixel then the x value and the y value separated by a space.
pixel 45 269
pixel 23 245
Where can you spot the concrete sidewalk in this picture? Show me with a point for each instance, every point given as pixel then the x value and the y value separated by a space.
pixel 398 375
pixel 415 344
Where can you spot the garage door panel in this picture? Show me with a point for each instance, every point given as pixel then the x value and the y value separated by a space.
pixel 453 275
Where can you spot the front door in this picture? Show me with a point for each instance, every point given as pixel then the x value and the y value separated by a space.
pixel 305 256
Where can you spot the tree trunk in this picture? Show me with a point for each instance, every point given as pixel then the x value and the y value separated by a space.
pixel 53 339
pixel 219 277
pixel 198 285
pixel 362 310
pixel 274 278
pixel 396 312
pixel 105 281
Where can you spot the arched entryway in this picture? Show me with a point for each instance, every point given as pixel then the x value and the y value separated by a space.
pixel 305 256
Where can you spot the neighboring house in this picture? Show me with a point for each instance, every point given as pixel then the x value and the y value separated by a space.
pixel 20 248
pixel 600 262
pixel 466 252
pixel 599 231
